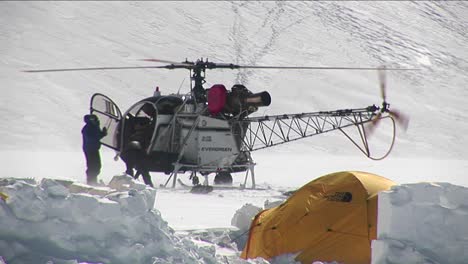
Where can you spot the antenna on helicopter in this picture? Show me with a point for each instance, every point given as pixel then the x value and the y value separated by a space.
pixel 180 86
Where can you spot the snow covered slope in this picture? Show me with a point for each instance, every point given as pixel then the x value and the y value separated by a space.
pixel 43 111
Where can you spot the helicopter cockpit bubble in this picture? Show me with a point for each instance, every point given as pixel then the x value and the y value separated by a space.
pixel 168 105
pixel 149 109
pixel 141 112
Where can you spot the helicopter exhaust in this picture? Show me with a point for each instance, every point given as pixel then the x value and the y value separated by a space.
pixel 258 99
pixel 241 100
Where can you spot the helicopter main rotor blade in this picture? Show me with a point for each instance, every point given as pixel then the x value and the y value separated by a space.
pixel 101 68
pixel 184 63
pixel 214 65
pixel 200 64
pixel 316 68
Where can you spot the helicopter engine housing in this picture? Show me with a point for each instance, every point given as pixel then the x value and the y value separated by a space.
pixel 239 100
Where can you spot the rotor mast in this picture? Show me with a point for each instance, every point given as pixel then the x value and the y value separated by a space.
pixel 198 73
pixel 198 78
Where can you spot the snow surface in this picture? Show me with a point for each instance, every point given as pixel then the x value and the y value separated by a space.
pixel 68 222
pixel 42 113
pixel 64 221
pixel 422 223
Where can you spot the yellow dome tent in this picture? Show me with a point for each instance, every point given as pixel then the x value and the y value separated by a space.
pixel 332 218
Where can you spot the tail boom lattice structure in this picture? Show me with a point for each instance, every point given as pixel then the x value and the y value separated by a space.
pixel 268 131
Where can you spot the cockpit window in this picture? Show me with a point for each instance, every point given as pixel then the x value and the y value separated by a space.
pixel 143 108
pixel 168 105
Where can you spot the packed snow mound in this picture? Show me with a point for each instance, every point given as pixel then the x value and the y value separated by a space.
pixel 243 216
pixel 422 223
pixel 61 221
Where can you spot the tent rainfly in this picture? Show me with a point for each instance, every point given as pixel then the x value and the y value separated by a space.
pixel 332 218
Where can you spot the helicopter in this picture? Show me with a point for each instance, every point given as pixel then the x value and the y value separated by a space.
pixel 210 130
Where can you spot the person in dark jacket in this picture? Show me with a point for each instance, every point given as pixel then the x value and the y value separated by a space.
pixel 92 135
pixel 134 152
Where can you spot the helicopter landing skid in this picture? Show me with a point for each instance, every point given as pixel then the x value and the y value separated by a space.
pixel 202 189
pixel 202 169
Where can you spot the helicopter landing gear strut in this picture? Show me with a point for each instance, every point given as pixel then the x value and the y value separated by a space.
pixel 194 178
pixel 221 178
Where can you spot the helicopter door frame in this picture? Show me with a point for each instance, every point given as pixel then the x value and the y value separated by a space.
pixel 109 115
pixel 134 111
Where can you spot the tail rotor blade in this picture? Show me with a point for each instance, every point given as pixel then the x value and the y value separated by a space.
pixel 401 119
pixel 374 123
pixel 382 81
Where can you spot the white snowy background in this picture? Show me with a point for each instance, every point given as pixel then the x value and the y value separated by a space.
pixel 42 112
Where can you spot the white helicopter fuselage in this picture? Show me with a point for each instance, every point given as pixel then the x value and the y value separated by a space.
pixel 201 141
